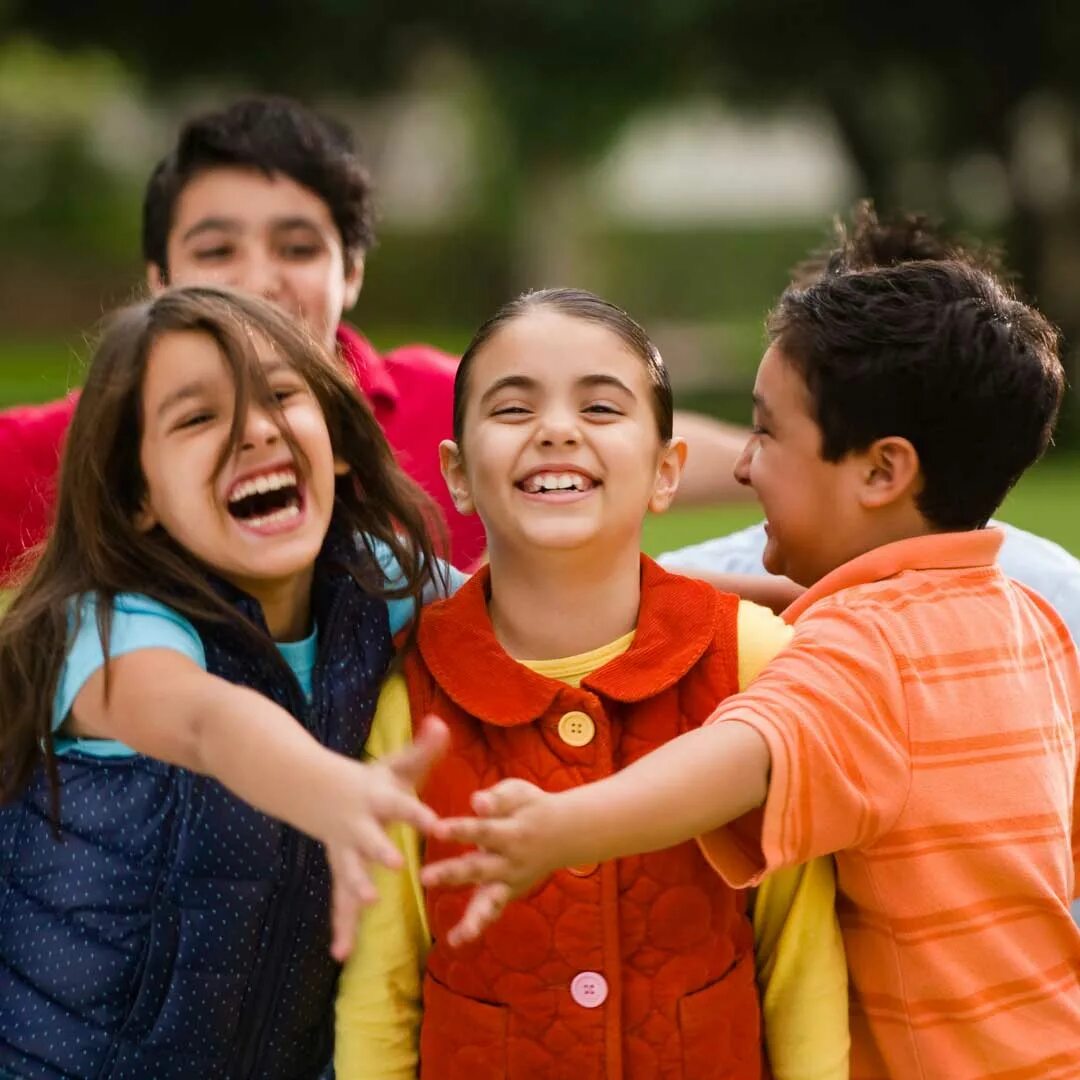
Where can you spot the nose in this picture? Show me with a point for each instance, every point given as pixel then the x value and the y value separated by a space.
pixel 741 471
pixel 260 429
pixel 559 427
pixel 261 276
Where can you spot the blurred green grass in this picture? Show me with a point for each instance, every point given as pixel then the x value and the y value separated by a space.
pixel 1044 501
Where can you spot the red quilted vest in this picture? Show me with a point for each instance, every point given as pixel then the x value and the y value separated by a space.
pixel 641 967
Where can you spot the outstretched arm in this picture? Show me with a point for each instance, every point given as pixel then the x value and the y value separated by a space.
pixel 688 787
pixel 714 447
pixel 162 704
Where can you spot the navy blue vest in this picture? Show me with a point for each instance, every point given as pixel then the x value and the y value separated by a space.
pixel 174 933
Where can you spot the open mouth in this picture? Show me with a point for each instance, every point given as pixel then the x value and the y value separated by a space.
pixel 557 483
pixel 272 498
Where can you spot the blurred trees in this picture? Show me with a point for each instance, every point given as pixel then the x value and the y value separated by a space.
pixel 958 109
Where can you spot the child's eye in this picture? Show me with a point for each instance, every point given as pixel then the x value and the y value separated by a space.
pixel 214 254
pixel 195 419
pixel 510 410
pixel 600 408
pixel 758 430
pixel 283 393
pixel 300 252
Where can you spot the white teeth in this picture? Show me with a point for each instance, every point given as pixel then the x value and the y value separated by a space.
pixel 542 482
pixel 262 484
pixel 276 518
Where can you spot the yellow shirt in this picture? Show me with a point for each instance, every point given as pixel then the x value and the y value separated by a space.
pixel 801 969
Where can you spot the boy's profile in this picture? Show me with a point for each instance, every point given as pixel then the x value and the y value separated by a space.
pixel 922 724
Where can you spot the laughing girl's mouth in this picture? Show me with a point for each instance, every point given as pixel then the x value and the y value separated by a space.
pixel 267 499
pixel 545 482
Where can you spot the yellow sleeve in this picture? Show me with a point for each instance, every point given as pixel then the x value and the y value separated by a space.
pixel 379 996
pixel 801 968
pixel 762 635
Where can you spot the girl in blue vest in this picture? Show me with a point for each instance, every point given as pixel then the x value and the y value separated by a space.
pixel 185 678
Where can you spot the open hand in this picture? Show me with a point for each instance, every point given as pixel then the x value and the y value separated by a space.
pixel 359 806
pixel 514 852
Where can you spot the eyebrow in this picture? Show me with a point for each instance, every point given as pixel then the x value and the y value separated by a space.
pixel 759 404
pixel 231 225
pixel 508 382
pixel 605 380
pixel 180 394
pixel 211 224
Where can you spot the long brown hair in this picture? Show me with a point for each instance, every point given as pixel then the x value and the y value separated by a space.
pixel 95 548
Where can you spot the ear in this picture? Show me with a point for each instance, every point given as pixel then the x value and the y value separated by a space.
pixel 145 519
pixel 668 473
pixel 354 279
pixel 457 480
pixel 156 279
pixel 889 472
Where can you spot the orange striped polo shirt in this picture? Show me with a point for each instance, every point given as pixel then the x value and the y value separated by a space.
pixel 923 727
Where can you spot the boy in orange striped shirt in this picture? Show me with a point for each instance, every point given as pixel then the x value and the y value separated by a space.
pixel 922 725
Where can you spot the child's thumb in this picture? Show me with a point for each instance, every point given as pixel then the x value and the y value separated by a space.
pixel 413 763
pixel 503 798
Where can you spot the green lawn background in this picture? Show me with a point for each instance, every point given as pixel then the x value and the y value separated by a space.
pixel 1044 501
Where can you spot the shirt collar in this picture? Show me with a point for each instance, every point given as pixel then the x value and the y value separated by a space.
pixel 676 624
pixel 368 367
pixel 934 551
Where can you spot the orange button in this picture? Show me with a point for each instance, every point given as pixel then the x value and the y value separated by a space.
pixel 584 870
pixel 576 729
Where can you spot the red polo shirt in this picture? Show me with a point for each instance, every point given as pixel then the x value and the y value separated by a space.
pixel 411 391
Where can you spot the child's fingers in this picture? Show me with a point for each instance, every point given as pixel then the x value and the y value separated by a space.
pixel 493 833
pixel 352 890
pixel 484 907
pixel 375 846
pixel 503 798
pixel 406 807
pixel 412 763
pixel 472 868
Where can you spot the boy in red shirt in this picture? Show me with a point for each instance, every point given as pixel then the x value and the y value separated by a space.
pixel 921 725
pixel 266 197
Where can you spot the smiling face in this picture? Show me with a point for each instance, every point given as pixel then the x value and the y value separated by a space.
pixel 812 506
pixel 265 235
pixel 260 520
pixel 560 449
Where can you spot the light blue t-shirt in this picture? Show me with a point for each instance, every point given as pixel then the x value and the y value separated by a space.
pixel 1032 560
pixel 140 622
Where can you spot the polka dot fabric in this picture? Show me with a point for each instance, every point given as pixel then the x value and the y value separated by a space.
pixel 641 967
pixel 172 931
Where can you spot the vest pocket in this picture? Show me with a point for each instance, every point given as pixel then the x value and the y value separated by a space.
pixel 720 1026
pixel 461 1038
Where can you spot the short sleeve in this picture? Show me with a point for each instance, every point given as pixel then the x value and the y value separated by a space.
pixel 137 623
pixel 831 710
pixel 448 580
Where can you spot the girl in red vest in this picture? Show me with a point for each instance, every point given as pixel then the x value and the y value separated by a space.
pixel 566 658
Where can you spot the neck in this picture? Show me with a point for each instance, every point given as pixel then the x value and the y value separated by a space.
pixel 286 605
pixel 560 603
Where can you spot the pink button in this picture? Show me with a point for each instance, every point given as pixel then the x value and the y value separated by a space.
pixel 589 989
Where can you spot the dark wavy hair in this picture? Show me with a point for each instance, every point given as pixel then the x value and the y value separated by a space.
pixel 272 135
pixel 940 353
pixel 95 547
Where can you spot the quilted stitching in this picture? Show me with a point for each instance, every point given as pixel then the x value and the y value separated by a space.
pixel 670 939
